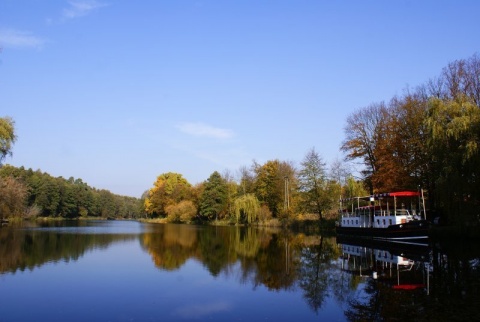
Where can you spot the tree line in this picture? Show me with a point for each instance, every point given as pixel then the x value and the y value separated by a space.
pixel 428 137
pixel 275 192
pixel 29 193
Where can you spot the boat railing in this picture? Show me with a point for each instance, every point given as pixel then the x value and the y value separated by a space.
pixel 409 213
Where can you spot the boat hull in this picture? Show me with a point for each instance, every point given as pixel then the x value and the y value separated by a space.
pixel 411 232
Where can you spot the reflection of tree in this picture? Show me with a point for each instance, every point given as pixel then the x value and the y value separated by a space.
pixel 215 250
pixel 272 264
pixel 455 285
pixel 247 241
pixel 26 249
pixel 170 245
pixel 315 273
pixel 263 255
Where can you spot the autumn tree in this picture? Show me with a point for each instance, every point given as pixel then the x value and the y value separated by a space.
pixel 184 211
pixel 391 140
pixel 13 197
pixel 169 189
pixel 7 137
pixel 410 137
pixel 402 158
pixel 364 131
pixel 270 185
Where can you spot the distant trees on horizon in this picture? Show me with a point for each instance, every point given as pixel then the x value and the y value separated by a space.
pixel 29 193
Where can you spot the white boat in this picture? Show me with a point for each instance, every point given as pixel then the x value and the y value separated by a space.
pixel 394 216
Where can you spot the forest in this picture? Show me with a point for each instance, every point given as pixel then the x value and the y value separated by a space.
pixel 428 138
pixel 29 194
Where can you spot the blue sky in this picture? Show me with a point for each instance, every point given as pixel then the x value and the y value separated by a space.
pixel 119 92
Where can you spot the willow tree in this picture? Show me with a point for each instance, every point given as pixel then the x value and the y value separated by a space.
pixel 7 137
pixel 246 208
pixel 454 132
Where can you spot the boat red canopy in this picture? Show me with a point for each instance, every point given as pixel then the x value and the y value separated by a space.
pixel 399 194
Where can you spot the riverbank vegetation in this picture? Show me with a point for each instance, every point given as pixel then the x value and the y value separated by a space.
pixel 428 137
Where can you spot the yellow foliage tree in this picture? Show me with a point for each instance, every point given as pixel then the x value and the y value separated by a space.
pixel 184 211
pixel 169 189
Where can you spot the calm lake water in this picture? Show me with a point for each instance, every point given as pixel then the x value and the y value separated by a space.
pixel 129 271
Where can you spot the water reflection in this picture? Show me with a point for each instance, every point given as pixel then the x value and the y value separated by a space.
pixel 33 245
pixel 262 253
pixel 363 281
pixel 418 282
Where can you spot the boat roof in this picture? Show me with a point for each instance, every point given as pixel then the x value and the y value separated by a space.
pixel 398 194
pixel 405 193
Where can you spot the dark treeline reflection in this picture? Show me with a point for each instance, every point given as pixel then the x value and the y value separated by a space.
pixel 419 283
pixel 33 245
pixel 440 283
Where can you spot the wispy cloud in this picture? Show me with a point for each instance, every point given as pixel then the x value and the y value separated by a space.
pixel 204 130
pixel 20 39
pixel 81 8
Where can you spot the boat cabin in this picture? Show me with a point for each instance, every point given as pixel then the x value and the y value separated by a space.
pixel 381 210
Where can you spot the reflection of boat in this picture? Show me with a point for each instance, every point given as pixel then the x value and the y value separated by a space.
pixel 417 251
pixel 394 216
pixel 396 269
